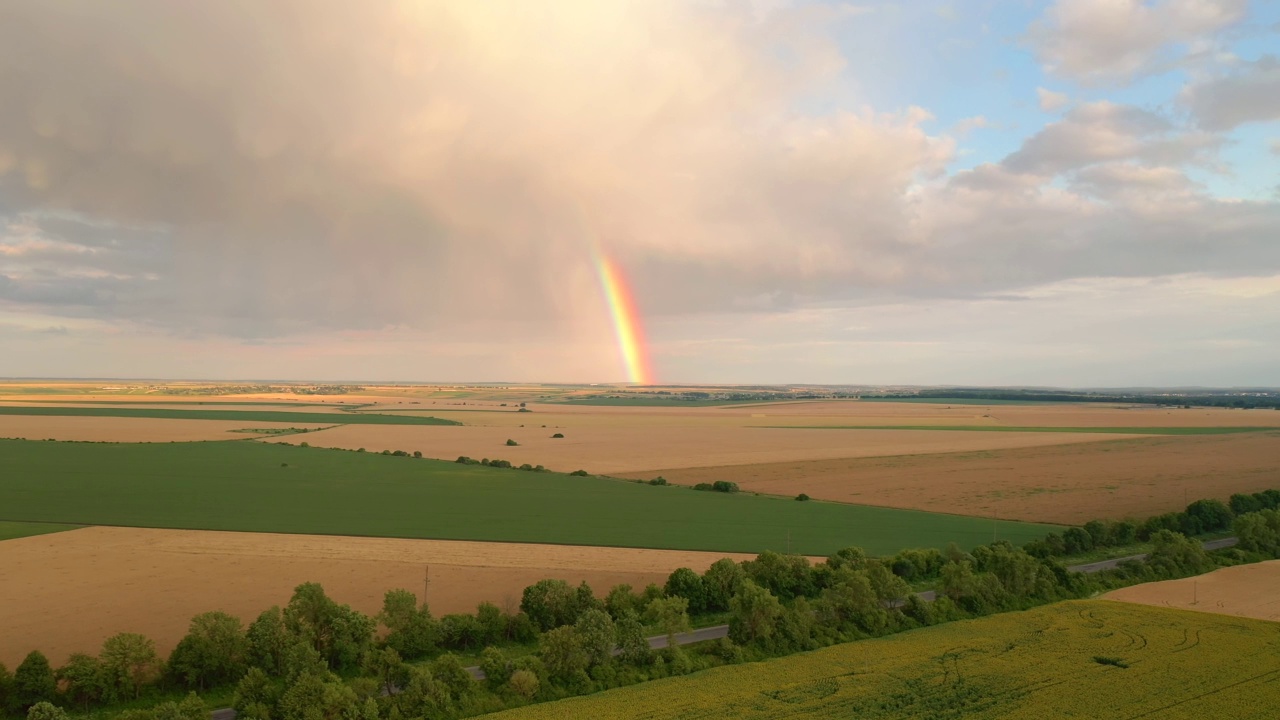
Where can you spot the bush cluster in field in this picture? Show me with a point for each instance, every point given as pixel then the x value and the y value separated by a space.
pixel 505 464
pixel 317 658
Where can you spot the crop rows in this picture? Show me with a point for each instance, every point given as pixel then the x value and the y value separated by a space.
pixel 1095 659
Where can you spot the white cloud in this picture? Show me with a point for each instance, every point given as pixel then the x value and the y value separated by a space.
pixel 1051 101
pixel 1099 41
pixel 1247 92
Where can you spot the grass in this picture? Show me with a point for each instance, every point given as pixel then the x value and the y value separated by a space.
pixel 11 530
pixel 1014 428
pixel 250 486
pixel 283 416
pixel 1085 659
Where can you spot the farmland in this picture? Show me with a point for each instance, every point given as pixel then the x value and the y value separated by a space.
pixel 238 415
pixel 1251 591
pixel 68 592
pixel 1060 484
pixel 13 530
pixel 620 449
pixel 262 487
pixel 109 429
pixel 1095 659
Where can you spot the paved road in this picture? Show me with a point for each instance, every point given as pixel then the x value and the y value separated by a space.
pixel 718 631
pixel 1101 565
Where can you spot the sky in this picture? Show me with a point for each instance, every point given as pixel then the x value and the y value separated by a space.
pixel 1075 193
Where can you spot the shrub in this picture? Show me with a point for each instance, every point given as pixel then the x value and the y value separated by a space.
pixel 558 435
pixel 802 497
pixel 511 443
pixel 658 481
pixel 724 486
pixel 526 467
pixel 580 473
pixel 359 449
pixel 305 445
pixel 417 453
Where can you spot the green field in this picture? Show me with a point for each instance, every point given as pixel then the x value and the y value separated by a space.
pixel 239 485
pixel 1080 659
pixel 283 416
pixel 11 530
pixel 1010 428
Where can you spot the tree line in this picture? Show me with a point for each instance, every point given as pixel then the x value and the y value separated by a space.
pixel 317 659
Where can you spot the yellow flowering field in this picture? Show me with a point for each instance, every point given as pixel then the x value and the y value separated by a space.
pixel 1079 659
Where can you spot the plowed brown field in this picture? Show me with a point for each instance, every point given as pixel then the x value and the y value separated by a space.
pixel 1059 484
pixel 69 591
pixel 628 449
pixel 113 429
pixel 1251 591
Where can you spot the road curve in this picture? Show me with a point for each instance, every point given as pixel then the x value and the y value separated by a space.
pixel 716 632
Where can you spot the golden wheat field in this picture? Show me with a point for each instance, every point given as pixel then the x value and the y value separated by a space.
pixel 1068 484
pixel 67 592
pixel 1079 659
pixel 1251 590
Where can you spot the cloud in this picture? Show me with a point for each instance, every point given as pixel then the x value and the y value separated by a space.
pixel 429 179
pixel 1051 101
pixel 1102 41
pixel 1104 131
pixel 1248 92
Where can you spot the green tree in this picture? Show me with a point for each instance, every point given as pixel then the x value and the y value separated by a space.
pixel 687 584
pixel 129 661
pixel 34 681
pixel 387 667
pixel 268 641
pixel 721 582
pixel 414 633
pixel 496 667
pixel 562 653
pixel 214 652
pixel 318 696
pixel 45 710
pixel 550 604
pixel 7 699
pixel 633 646
pixel 524 684
pixel 492 623
pixel 449 672
pixel 620 601
pixel 1259 532
pixel 341 635
pixel 755 612
pixel 255 695
pixel 596 630
pixel 190 708
pixel 1205 516
pixel 84 680
pixel 670 615
pixel 423 696
pixel 1173 555
pixel 786 576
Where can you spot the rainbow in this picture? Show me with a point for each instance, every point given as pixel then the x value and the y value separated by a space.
pixel 622 308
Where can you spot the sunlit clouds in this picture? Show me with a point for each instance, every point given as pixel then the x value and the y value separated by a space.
pixel 394 190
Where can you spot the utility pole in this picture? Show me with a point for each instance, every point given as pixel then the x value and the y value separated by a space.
pixel 1195 591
